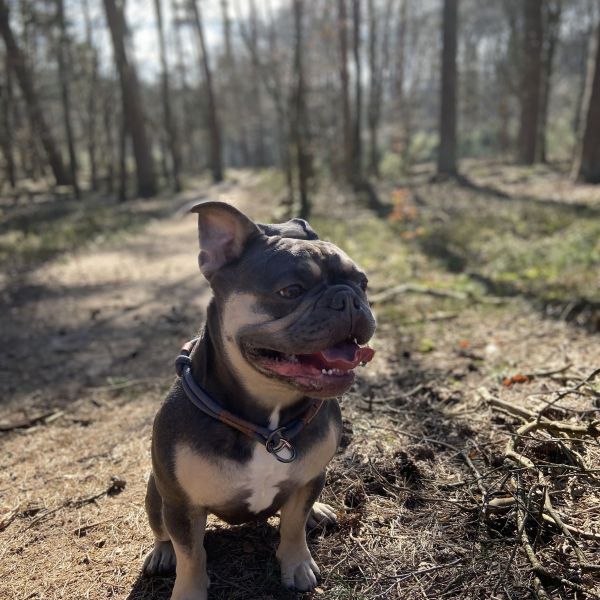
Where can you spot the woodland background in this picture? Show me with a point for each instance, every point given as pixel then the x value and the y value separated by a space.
pixel 352 90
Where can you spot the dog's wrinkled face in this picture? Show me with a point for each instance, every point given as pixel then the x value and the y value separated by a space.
pixel 293 309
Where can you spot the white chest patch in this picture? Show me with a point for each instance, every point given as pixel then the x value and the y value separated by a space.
pixel 216 483
pixel 264 474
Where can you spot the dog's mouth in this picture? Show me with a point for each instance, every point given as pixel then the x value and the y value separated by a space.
pixel 330 371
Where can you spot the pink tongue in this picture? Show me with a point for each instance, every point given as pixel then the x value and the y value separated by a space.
pixel 345 355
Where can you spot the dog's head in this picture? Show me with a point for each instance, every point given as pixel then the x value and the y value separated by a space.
pixel 293 310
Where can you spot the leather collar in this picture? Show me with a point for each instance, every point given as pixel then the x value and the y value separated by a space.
pixel 276 441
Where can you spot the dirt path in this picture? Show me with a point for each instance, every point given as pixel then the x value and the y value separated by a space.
pixel 89 344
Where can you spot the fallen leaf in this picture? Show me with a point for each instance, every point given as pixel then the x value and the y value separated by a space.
pixel 517 378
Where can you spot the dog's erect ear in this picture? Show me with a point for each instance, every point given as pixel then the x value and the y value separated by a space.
pixel 295 228
pixel 223 231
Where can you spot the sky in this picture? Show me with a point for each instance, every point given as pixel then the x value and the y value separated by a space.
pixel 142 23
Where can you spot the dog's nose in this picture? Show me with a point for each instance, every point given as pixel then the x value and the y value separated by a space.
pixel 343 300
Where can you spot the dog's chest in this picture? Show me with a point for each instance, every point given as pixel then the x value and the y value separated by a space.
pixel 263 477
pixel 225 486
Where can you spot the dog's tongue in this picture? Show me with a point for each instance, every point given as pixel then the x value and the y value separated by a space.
pixel 345 355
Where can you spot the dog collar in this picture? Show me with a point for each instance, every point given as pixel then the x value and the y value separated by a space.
pixel 276 441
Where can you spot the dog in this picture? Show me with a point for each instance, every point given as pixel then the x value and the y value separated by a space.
pixel 250 425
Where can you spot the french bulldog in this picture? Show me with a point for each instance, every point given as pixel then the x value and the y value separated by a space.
pixel 287 325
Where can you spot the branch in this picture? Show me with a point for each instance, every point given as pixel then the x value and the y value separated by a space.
pixel 46 417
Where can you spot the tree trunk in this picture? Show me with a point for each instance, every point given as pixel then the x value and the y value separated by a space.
pixel 132 102
pixel 469 98
pixel 345 90
pixel 587 166
pixel 586 64
pixel 378 61
pixel 169 122
pixel 552 13
pixel 122 192
pixel 91 104
pixel 446 164
pixel 110 148
pixel 16 60
pixel 64 75
pixel 276 91
pixel 531 79
pixel 187 105
pixel 214 127
pixel 300 116
pixel 234 93
pixel 402 104
pixel 356 136
pixel 257 104
pixel 374 109
pixel 6 126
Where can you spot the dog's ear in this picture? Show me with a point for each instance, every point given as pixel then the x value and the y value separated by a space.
pixel 295 228
pixel 224 231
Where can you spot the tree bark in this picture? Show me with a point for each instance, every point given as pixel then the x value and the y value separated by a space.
pixel 122 191
pixel 345 90
pixel 274 84
pixel 187 104
pixel 132 102
pixel 378 61
pixel 587 166
pixel 300 115
pixel 6 126
pixel 586 64
pixel 234 93
pixel 91 104
pixel 261 158
pixel 64 75
pixel 531 79
pixel 110 147
pixel 17 61
pixel 374 109
pixel 446 164
pixel 357 174
pixel 214 127
pixel 402 104
pixel 169 121
pixel 552 14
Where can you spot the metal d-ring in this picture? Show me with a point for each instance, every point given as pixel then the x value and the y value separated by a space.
pixel 276 443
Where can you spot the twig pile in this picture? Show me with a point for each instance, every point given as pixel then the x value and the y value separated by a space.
pixel 546 467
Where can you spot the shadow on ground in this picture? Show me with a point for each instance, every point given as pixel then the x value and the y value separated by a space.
pixel 241 565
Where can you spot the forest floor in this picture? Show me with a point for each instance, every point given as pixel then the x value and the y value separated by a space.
pixel 469 464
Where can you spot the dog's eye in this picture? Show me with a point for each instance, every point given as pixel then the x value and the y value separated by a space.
pixel 363 284
pixel 291 291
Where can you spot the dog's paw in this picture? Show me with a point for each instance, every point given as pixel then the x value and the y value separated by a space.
pixel 160 560
pixel 321 515
pixel 300 576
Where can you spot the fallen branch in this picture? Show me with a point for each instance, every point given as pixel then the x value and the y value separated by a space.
pixel 518 501
pixel 537 566
pixel 117 485
pixel 542 422
pixel 46 417
pixel 408 288
pixel 562 393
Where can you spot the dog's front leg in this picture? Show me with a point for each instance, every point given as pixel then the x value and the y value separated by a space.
pixel 298 569
pixel 186 529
